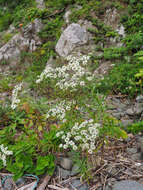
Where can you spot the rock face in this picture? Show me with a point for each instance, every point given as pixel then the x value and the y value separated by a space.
pixel 112 19
pixel 26 40
pixel 73 36
pixel 128 185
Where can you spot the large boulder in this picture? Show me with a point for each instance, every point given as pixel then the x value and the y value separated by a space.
pixel 26 40
pixel 73 36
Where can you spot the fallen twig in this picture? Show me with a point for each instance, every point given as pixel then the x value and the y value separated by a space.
pixel 44 183
pixel 57 188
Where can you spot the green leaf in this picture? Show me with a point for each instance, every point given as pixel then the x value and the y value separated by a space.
pixel 42 162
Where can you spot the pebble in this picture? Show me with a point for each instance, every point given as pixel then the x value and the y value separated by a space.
pixel 139 98
pixel 132 150
pixel 75 170
pixel 126 123
pixel 78 186
pixel 140 144
pixel 136 157
pixel 66 163
pixel 64 174
pixel 127 185
pixel 20 182
pixel 138 108
pixel 117 115
pixel 130 111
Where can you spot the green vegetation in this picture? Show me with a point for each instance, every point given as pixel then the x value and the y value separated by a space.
pixel 32 118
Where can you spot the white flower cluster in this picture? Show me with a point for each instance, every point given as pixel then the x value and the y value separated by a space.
pixel 81 136
pixel 15 100
pixel 3 153
pixel 59 110
pixel 70 75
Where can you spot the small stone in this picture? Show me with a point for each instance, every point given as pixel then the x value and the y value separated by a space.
pixel 66 163
pixel 132 150
pixel 117 115
pixel 108 188
pixel 127 185
pixel 75 170
pixel 64 174
pixel 130 111
pixel 140 144
pixel 136 157
pixel 20 182
pixel 139 98
pixel 138 108
pixel 126 123
pixel 77 185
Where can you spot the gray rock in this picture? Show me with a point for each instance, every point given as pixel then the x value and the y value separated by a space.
pixel 11 29
pixel 106 188
pixel 127 185
pixel 20 182
pixel 67 15
pixel 117 115
pixel 126 123
pixel 138 108
pixel 75 170
pixel 77 185
pixel 74 35
pixel 64 174
pixel 139 98
pixel 26 40
pixel 136 157
pixel 132 150
pixel 66 163
pixel 140 144
pixel 130 111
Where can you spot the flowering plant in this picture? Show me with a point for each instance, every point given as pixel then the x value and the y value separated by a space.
pixel 82 136
pixel 15 100
pixel 3 153
pixel 68 76
pixel 59 110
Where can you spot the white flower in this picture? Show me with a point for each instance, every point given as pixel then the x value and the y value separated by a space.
pixel 15 100
pixel 77 138
pixel 74 147
pixel 60 146
pixel 71 143
pixel 67 140
pixel 65 146
pixel 69 76
pixel 82 83
pixel 92 146
pixel 82 136
pixel 4 152
pixel 90 151
pixel 90 78
pixel 3 158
